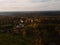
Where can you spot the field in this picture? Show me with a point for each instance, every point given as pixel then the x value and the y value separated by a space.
pixel 21 30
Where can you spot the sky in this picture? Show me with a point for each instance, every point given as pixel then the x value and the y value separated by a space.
pixel 29 5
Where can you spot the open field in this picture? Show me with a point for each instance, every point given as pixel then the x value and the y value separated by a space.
pixel 29 30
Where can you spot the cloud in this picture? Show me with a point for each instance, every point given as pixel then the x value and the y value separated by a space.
pixel 28 5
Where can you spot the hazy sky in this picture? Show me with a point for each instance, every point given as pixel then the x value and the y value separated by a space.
pixel 29 5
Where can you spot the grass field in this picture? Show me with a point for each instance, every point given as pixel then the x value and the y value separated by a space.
pixel 11 39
